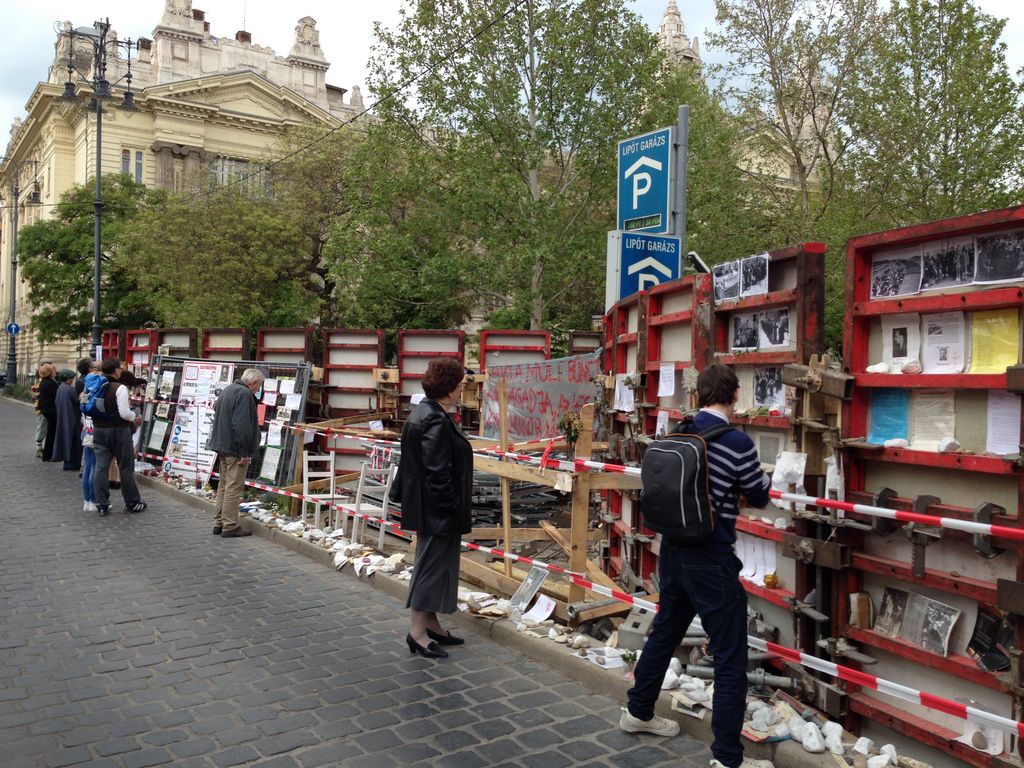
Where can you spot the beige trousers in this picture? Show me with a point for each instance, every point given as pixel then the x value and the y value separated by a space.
pixel 229 492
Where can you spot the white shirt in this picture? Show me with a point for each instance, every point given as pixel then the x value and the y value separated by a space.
pixel 124 404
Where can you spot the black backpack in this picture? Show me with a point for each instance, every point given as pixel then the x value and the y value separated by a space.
pixel 675 499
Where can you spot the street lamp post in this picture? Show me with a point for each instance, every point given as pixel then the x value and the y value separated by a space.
pixel 12 347
pixel 102 45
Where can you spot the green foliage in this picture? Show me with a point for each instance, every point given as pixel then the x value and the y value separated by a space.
pixel 228 258
pixel 56 259
pixel 937 118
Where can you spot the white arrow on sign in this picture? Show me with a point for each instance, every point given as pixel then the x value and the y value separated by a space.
pixel 650 261
pixel 641 181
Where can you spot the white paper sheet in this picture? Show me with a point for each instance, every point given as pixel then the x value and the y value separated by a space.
pixel 271 459
pixel 377 426
pixel 156 437
pixel 932 416
pixel 270 399
pixel 541 610
pixel 286 386
pixel 1003 422
pixel 661 425
pixel 274 434
pixel 293 402
pixel 901 339
pixel 667 380
pixel 943 342
pixel 270 385
pixel 623 395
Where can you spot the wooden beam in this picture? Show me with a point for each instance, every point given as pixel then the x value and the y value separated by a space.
pixel 320 485
pixel 581 502
pixel 525 534
pixel 593 570
pixel 494 581
pixel 520 472
pixel 592 614
pixel 602 481
pixel 359 418
pixel 506 496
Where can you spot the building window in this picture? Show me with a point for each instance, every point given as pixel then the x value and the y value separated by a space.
pixel 138 167
pixel 126 160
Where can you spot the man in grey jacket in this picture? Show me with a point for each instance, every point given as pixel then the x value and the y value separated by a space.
pixel 236 439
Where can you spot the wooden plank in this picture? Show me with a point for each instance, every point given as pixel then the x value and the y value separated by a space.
pixel 499 583
pixel 520 472
pixel 320 485
pixel 593 570
pixel 581 502
pixel 359 418
pixel 525 534
pixel 621 609
pixel 506 496
pixel 604 481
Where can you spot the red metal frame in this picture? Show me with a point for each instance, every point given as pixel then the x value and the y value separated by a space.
pixel 112 343
pixel 178 351
pixel 581 342
pixel 529 347
pixel 136 342
pixel 292 354
pixel 372 341
pixel 407 355
pixel 214 353
pixel 861 313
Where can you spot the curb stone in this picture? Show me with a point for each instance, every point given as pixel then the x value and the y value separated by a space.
pixel 786 754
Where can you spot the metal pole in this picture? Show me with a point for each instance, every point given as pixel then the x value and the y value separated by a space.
pixel 12 351
pixel 679 209
pixel 99 91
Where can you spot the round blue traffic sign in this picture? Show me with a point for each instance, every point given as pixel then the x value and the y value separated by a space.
pixel 13 328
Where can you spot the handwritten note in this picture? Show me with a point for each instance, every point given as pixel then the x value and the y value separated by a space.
pixel 667 380
pixel 1003 423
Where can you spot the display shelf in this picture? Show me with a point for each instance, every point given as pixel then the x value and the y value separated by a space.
pixel 756 358
pixel 671 318
pixel 962 667
pixel 759 528
pixel 923 731
pixel 771 422
pixel 932 380
pixel 943 581
pixel 765 301
pixel 992 298
pixel 989 465
pixel 777 596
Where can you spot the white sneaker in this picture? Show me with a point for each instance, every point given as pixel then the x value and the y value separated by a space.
pixel 91 507
pixel 85 507
pixel 659 726
pixel 748 762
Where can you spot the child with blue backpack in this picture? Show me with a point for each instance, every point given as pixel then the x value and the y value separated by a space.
pixel 92 382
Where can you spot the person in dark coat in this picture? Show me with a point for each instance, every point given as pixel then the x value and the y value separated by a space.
pixel 67 444
pixel 235 437
pixel 435 488
pixel 48 387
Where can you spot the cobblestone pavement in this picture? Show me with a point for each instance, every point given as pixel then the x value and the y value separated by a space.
pixel 142 640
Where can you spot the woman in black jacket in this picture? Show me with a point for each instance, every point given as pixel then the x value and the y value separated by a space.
pixel 48 387
pixel 435 486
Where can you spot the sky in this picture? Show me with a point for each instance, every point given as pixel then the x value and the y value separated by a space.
pixel 346 32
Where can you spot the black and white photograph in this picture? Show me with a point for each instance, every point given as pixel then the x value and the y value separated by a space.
pixel 769 447
pixel 744 332
pixel 899 342
pixel 890 616
pixel 928 623
pixel 896 273
pixel 947 263
pixel 773 328
pixel 1000 258
pixel 727 280
pixel 754 275
pixel 768 388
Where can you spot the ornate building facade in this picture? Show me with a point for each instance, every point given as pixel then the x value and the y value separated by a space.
pixel 208 106
pixel 680 48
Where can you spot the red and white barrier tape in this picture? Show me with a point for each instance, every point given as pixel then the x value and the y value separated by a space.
pixel 518 558
pixel 895 690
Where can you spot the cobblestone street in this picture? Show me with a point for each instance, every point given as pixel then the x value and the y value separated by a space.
pixel 143 640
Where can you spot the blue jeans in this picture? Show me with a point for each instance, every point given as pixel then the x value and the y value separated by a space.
pixel 88 470
pixel 697 581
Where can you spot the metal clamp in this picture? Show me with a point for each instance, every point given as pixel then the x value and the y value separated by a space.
pixel 922 535
pixel 838 647
pixel 883 526
pixel 806 609
pixel 982 541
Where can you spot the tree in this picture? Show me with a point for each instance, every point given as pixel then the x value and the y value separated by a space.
pixel 519 109
pixel 937 116
pixel 56 257
pixel 230 257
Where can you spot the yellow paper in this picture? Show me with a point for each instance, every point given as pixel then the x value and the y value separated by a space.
pixel 994 340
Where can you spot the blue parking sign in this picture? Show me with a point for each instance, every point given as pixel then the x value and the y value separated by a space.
pixel 645 182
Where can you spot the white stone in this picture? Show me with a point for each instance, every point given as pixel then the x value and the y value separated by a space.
pixel 949 445
pixel 863 745
pixel 813 741
pixel 878 761
pixel 896 442
pixel 878 368
pixel 670 681
pixel 832 729
pixel 676 666
pixel 834 744
pixel 890 750
pixel 796 728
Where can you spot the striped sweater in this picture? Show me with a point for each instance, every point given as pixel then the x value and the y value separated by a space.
pixel 733 467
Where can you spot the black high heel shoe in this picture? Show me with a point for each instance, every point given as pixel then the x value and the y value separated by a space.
pixel 446 639
pixel 430 652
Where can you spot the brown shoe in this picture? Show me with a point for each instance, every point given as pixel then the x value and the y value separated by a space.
pixel 235 533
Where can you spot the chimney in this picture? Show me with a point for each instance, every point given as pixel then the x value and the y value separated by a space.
pixel 243 37
pixel 198 15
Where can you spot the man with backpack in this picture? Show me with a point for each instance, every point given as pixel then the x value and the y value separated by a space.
pixel 113 421
pixel 698 568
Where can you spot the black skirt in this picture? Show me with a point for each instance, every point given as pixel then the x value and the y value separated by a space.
pixel 435 576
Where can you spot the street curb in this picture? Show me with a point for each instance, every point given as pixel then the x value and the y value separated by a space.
pixel 599 681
